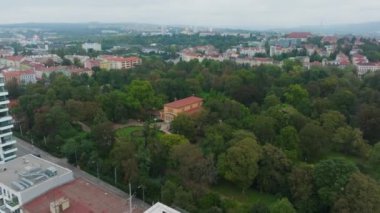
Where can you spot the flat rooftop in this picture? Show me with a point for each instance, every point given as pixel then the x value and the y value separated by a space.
pixel 83 197
pixel 28 171
pixel 161 208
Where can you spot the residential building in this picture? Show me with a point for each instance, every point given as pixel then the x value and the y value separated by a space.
pixel 329 39
pixel 80 71
pixel 46 71
pixel 5 52
pixel 359 59
pixel 367 67
pixel 305 60
pixel 189 106
pixel 22 77
pixel 82 58
pixel 12 61
pixel 45 58
pixel 91 63
pixel 7 146
pixel 80 196
pixel 161 208
pixel 109 62
pixel 285 42
pixel 278 50
pixel 92 46
pixel 252 51
pixel 254 61
pixel 310 49
pixel 342 60
pixel 26 178
pixel 303 36
pixel 330 49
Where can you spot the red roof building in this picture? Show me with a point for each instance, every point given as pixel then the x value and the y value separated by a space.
pixel 299 35
pixel 15 58
pixel 24 76
pixel 330 39
pixel 91 63
pixel 189 106
pixel 79 196
pixel 116 62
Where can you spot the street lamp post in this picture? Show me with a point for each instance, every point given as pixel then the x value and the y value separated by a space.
pixel 143 191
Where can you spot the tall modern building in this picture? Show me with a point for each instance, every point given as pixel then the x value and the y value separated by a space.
pixel 7 142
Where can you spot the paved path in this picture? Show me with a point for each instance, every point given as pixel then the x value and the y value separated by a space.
pixel 27 148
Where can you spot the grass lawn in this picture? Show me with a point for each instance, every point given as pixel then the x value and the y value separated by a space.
pixel 126 132
pixel 340 155
pixel 247 199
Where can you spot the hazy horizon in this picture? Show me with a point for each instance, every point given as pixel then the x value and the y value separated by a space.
pixel 245 14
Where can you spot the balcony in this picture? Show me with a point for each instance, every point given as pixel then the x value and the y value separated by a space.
pixel 4 209
pixel 10 157
pixel 6 118
pixel 4 112
pixel 7 143
pixel 4 101
pixel 3 93
pixel 4 128
pixel 13 204
pixel 5 133
pixel 9 151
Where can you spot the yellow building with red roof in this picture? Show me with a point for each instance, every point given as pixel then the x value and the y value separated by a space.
pixel 189 106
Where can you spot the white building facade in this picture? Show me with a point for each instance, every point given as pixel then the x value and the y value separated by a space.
pixel 93 46
pixel 7 146
pixel 26 178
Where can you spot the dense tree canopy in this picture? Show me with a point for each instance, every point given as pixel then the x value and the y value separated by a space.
pixel 267 131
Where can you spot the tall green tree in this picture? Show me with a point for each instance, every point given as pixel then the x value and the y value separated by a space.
pixel 361 194
pixel 274 167
pixel 331 176
pixel 282 206
pixel 314 140
pixel 239 163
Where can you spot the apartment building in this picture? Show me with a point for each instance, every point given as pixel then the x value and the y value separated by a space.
pixel 22 77
pixel 26 178
pixel 109 62
pixel 92 46
pixel 7 146
pixel 367 67
pixel 189 106
pixel 12 61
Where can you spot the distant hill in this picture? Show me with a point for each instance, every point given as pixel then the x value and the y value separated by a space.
pixel 370 28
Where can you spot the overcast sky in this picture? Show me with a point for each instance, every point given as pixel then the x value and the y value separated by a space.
pixel 231 13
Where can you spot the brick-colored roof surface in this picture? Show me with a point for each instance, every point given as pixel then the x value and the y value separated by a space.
pixel 184 102
pixel 84 197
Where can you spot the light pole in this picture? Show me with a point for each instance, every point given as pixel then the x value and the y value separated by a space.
pixel 115 176
pixel 19 124
pixel 143 189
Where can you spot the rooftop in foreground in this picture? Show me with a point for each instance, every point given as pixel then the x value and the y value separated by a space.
pixel 184 102
pixel 29 171
pixel 82 196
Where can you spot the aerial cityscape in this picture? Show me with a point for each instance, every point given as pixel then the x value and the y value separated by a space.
pixel 147 107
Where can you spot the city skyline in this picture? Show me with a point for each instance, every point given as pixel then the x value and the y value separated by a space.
pixel 224 13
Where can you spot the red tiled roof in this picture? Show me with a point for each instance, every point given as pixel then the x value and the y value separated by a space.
pixel 299 35
pixel 184 102
pixel 15 58
pixel 330 39
pixel 369 64
pixel 17 74
pixel 83 197
pixel 120 59
pixel 263 59
pixel 12 74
